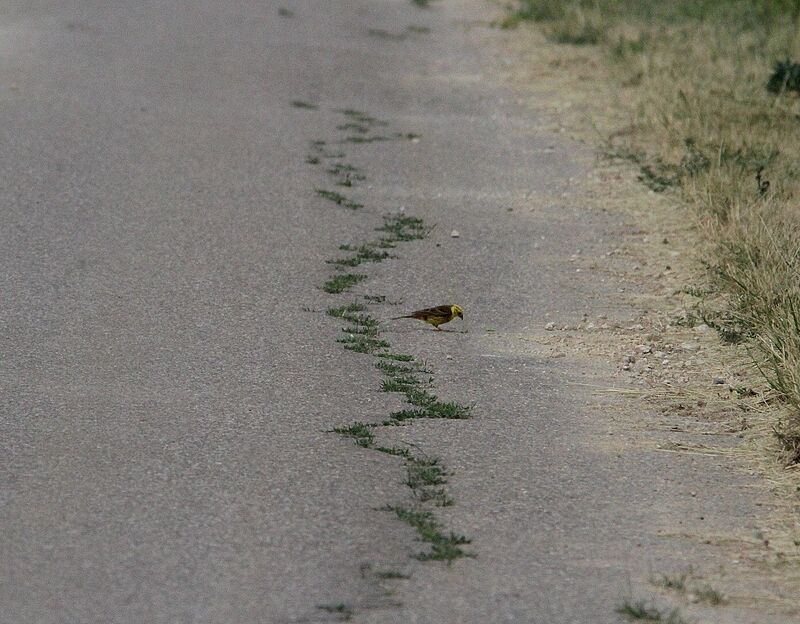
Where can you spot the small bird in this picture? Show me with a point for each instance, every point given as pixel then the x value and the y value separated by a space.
pixel 435 316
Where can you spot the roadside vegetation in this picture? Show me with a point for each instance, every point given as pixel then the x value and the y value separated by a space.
pixel 711 90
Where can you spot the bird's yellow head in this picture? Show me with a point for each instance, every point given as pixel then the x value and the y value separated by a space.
pixel 457 311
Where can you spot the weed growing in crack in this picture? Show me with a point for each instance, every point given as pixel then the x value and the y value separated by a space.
pixel 394 450
pixel 387 368
pixel 444 547
pixel 321 151
pixel 362 344
pixel 346 174
pixel 391 574
pixel 339 199
pixel 341 311
pixel 397 357
pixel 366 139
pixel 353 126
pixel 402 228
pixel 360 432
pixel 363 253
pixel 361 117
pixel 398 384
pixel 424 472
pixel 436 409
pixel 640 610
pixel 340 283
pixel 344 612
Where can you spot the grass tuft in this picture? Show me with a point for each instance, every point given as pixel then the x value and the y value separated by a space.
pixel 363 253
pixel 340 283
pixel 344 311
pixel 397 357
pixel 401 228
pixel 444 547
pixel 339 199
pixel 640 610
pixel 362 344
pixel 360 432
pixel 436 409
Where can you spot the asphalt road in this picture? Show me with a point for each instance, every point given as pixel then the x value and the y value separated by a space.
pixel 168 379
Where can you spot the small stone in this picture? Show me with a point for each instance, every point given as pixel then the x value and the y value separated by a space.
pixel 702 328
pixel 644 348
pixel 660 355
pixel 718 381
pixel 454 234
pixel 590 326
pixel 629 359
pixel 448 357
pixel 550 326
pixel 690 346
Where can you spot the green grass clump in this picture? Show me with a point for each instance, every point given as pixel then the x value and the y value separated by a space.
pixel 343 311
pixel 363 253
pixel 401 228
pixel 302 104
pixel 387 368
pixel 340 283
pixel 444 547
pixel 362 344
pixel 399 384
pixel 343 611
pixel 397 357
pixel 641 611
pixel 339 199
pixel 435 409
pixel 424 472
pixel 360 432
pixel 362 117
pixel 391 574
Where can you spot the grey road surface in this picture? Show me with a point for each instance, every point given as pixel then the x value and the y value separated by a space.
pixel 168 382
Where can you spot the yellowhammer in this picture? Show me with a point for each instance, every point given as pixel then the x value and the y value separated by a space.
pixel 435 316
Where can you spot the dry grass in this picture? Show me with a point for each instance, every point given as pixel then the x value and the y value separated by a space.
pixel 693 77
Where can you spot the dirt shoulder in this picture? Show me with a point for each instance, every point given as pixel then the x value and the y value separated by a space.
pixel 674 387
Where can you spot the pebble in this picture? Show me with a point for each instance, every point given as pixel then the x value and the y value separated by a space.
pixel 702 328
pixel 718 381
pixel 690 346
pixel 644 348
pixel 629 359
pixel 454 234
pixel 550 326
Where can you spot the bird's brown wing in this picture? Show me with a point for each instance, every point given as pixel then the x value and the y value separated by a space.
pixel 437 312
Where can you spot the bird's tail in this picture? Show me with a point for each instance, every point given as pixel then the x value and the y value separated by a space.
pixel 401 317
